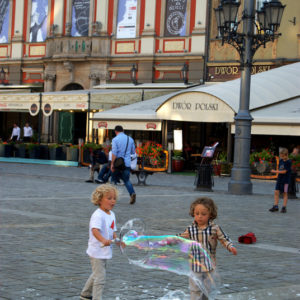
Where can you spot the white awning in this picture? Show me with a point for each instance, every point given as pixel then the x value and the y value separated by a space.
pixel 274 100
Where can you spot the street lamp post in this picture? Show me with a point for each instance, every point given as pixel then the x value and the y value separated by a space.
pixel 246 43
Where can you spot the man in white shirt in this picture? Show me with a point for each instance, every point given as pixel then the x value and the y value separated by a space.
pixel 15 136
pixel 28 132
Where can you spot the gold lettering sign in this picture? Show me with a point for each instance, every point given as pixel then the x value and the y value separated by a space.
pixel 174 46
pixel 125 47
pixel 226 70
pixel 37 51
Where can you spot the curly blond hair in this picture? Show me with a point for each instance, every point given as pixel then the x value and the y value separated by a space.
pixel 208 203
pixel 101 190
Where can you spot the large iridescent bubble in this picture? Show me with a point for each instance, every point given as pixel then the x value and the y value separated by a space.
pixel 169 253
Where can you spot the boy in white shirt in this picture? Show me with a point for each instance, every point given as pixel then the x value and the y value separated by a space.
pixel 102 230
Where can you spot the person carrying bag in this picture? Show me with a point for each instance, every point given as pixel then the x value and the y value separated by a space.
pixel 122 149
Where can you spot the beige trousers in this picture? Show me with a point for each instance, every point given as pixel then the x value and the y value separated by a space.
pixel 95 284
pixel 196 289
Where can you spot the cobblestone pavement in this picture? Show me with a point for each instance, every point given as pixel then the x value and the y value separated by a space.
pixel 44 215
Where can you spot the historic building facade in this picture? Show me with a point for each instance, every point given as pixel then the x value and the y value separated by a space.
pixel 63 45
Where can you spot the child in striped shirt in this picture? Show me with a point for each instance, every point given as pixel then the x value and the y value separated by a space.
pixel 206 232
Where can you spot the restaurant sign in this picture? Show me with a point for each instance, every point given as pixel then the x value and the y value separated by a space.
pixel 195 107
pixel 224 73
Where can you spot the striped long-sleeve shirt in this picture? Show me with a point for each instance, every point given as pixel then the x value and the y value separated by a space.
pixel 208 238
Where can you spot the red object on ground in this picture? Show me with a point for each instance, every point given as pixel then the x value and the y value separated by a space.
pixel 248 238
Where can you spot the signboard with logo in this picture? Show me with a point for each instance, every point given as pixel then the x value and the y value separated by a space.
pixel 175 21
pixel 34 109
pixel 195 107
pixel 128 125
pixel 224 73
pixel 80 17
pixel 126 22
pixel 47 109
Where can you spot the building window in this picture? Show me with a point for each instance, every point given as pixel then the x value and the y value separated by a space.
pixel 126 21
pixel 38 21
pixel 175 20
pixel 80 17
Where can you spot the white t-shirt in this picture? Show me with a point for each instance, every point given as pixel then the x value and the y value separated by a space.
pixel 28 131
pixel 107 225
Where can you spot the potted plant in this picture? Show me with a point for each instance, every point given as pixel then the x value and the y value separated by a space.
pixel 52 150
pixel 152 154
pixel 21 150
pixel 33 150
pixel 261 162
pixel 88 149
pixel 8 149
pixel 2 148
pixel 72 152
pixel 177 161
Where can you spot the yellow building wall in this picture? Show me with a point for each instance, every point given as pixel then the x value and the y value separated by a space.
pixel 287 46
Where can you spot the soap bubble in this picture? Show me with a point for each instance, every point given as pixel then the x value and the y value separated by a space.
pixel 175 295
pixel 169 253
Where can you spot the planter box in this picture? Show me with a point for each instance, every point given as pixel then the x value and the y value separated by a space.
pixel 8 150
pixel 20 150
pixel 2 150
pixel 34 152
pixel 52 153
pixel 72 154
pixel 177 165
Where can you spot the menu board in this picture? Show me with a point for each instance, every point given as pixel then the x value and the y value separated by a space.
pixel 38 21
pixel 175 20
pixel 4 20
pixel 80 17
pixel 126 22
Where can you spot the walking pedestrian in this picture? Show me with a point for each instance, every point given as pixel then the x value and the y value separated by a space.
pixel 123 146
pixel 206 232
pixel 15 136
pixel 102 231
pixel 28 133
pixel 283 180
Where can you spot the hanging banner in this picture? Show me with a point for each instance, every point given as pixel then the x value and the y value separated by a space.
pixel 126 23
pixel 80 17
pixel 175 21
pixel 38 23
pixel 4 21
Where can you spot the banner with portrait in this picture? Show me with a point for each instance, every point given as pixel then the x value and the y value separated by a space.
pixel 4 21
pixel 126 22
pixel 38 21
pixel 175 20
pixel 80 17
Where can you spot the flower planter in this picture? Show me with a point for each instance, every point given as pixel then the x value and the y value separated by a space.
pixel 217 169
pixel 44 152
pixel 2 150
pixel 177 165
pixel 8 150
pixel 21 150
pixel 34 153
pixel 52 153
pixel 72 154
